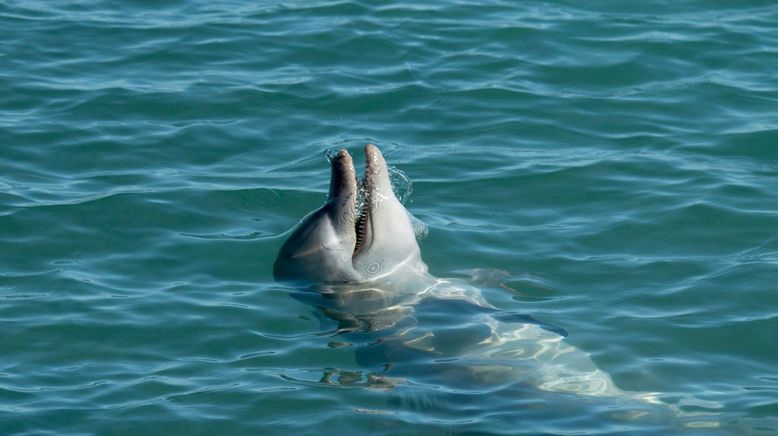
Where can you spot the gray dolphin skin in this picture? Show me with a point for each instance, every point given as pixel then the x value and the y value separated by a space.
pixel 367 263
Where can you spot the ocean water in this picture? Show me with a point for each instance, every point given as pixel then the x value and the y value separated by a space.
pixel 610 169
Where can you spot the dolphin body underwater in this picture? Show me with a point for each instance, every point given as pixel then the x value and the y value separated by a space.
pixel 366 269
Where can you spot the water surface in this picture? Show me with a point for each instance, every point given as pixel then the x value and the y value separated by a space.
pixel 610 168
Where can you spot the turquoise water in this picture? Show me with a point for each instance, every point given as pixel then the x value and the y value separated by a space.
pixel 610 169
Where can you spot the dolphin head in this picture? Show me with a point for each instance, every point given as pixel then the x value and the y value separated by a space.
pixel 334 244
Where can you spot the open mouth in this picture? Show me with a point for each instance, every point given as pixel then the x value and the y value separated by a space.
pixel 361 193
pixel 366 198
pixel 361 229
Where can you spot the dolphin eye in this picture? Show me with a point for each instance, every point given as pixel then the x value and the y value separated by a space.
pixel 373 267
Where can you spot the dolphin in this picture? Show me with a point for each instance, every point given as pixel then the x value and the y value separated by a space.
pixel 359 253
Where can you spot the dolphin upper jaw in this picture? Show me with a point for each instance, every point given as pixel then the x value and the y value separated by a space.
pixel 386 238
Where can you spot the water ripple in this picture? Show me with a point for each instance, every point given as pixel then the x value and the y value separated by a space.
pixel 608 168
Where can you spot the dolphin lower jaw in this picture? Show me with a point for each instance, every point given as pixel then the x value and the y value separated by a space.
pixel 343 180
pixel 341 202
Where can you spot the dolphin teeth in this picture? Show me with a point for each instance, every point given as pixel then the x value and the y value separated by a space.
pixel 363 203
pixel 361 229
